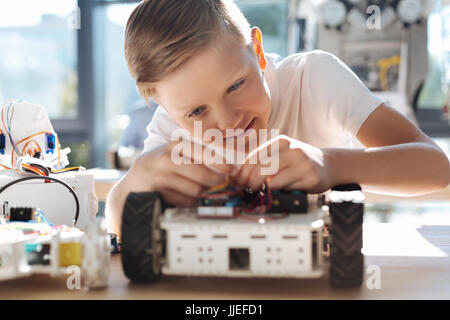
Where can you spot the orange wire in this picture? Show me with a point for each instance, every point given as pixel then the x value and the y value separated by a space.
pixel 2 165
pixel 65 169
pixel 34 135
pixel 34 169
pixel 3 120
pixel 26 145
pixel 12 153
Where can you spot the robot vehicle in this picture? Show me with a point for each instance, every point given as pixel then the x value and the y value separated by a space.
pixel 272 234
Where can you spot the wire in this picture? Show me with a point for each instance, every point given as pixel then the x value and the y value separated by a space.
pixel 264 196
pixel 26 145
pixel 8 131
pixel 220 186
pixel 44 169
pixel 65 170
pixel 34 135
pixel 11 103
pixel 33 169
pixel 77 203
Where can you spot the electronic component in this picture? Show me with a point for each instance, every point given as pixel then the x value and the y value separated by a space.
pixel 2 143
pixel 22 214
pixel 215 212
pixel 227 204
pixel 294 201
pixel 50 139
pixel 28 132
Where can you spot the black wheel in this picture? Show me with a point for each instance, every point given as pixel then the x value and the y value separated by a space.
pixel 346 259
pixel 141 240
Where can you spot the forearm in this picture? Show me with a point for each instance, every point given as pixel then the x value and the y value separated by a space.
pixel 405 169
pixel 114 206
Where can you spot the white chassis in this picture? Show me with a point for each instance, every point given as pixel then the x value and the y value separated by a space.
pixel 287 247
pixel 179 241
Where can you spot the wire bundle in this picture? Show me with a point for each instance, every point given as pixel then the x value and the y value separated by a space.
pixel 27 149
pixel 255 210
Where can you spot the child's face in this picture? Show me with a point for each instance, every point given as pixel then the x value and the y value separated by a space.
pixel 223 87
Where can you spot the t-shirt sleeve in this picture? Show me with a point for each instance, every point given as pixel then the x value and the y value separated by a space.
pixel 159 130
pixel 341 97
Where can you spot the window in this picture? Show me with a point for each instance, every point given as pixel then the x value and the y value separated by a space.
pixel 432 95
pixel 39 63
pixel 38 54
pixel 271 16
pixel 117 99
pixel 435 93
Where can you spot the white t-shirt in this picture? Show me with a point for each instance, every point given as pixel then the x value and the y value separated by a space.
pixel 315 98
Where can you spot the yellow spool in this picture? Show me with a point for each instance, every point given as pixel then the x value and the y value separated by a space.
pixel 70 254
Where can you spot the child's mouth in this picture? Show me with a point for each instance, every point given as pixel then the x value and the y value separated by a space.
pixel 249 126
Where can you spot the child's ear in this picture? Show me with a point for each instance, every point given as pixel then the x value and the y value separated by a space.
pixel 258 47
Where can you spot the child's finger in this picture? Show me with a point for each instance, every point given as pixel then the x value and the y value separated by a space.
pixel 200 174
pixel 250 175
pixel 307 184
pixel 180 184
pixel 283 178
pixel 243 176
pixel 194 152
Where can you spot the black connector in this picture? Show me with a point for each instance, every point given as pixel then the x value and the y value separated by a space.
pixel 293 201
pixel 21 214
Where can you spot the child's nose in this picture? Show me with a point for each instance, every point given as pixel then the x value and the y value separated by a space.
pixel 229 119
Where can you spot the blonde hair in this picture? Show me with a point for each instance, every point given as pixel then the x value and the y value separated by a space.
pixel 163 34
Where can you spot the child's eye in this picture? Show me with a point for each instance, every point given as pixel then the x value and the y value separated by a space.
pixel 197 112
pixel 236 85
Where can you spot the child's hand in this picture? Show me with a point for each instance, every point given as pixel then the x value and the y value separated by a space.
pixel 179 184
pixel 300 166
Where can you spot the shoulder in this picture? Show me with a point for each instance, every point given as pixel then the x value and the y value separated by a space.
pixel 309 66
pixel 302 60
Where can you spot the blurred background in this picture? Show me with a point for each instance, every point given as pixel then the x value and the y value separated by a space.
pixel 68 56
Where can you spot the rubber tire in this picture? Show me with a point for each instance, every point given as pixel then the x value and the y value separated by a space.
pixel 346 258
pixel 137 219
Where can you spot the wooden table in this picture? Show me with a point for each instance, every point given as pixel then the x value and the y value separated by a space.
pixel 413 261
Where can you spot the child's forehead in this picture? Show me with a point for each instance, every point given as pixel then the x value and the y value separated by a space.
pixel 205 72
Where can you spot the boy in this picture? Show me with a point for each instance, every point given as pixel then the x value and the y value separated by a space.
pixel 200 61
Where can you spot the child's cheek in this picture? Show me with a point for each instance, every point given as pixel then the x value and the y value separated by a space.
pixel 252 98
